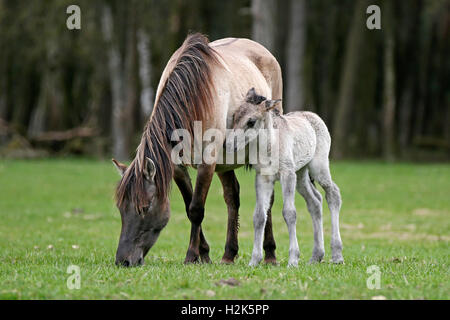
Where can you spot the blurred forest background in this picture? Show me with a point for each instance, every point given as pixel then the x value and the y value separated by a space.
pixel 383 93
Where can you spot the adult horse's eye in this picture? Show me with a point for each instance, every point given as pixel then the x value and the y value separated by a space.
pixel 144 209
pixel 251 123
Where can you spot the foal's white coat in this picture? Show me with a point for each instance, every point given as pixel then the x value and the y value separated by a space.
pixel 304 145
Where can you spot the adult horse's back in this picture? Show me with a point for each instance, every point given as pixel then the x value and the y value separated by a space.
pixel 202 82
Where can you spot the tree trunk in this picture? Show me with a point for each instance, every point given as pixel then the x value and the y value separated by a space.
pixel 145 72
pixel 48 113
pixel 118 125
pixel 348 80
pixel 295 51
pixel 263 28
pixel 389 104
pixel 130 75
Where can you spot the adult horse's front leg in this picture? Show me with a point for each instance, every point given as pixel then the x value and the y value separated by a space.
pixel 231 194
pixel 183 181
pixel 205 174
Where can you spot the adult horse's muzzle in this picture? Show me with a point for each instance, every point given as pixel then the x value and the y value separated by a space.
pixel 126 259
pixel 132 253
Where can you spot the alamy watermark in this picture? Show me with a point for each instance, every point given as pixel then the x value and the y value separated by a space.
pixel 74 280
pixel 374 20
pixel 73 22
pixel 232 147
pixel 374 280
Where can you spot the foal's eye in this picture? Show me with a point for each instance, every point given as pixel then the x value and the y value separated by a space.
pixel 251 123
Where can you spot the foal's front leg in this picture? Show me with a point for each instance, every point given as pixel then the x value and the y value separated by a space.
pixel 264 191
pixel 205 174
pixel 288 182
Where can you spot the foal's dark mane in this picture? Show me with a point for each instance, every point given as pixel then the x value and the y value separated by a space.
pixel 187 96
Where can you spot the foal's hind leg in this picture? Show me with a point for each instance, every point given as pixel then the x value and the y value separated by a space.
pixel 320 171
pixel 314 203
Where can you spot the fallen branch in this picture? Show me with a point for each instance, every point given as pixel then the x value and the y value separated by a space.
pixel 80 132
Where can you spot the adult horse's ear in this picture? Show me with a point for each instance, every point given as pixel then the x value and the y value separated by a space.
pixel 121 168
pixel 270 104
pixel 150 169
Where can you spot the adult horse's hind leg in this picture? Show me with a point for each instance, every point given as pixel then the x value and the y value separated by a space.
pixel 269 241
pixel 183 181
pixel 320 171
pixel 314 203
pixel 231 194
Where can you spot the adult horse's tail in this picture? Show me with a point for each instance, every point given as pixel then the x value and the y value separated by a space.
pixel 184 96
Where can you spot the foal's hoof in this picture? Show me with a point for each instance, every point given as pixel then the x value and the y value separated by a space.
pixel 254 263
pixel 314 261
pixel 338 259
pixel 292 264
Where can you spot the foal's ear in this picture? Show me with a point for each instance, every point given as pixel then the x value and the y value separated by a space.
pixel 149 169
pixel 121 168
pixel 270 104
pixel 253 98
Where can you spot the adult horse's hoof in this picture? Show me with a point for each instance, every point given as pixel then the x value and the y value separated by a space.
pixel 227 261
pixel 229 257
pixel 192 257
pixel 195 260
pixel 271 261
pixel 205 259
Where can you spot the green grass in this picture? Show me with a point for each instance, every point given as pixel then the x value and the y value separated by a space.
pixel 393 216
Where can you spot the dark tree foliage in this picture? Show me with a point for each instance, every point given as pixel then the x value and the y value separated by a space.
pixel 383 93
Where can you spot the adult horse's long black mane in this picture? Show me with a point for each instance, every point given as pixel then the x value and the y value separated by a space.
pixel 187 96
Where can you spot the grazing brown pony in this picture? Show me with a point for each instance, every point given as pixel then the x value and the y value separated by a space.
pixel 202 82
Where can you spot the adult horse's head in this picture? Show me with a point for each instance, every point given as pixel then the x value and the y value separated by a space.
pixel 144 211
pixel 185 95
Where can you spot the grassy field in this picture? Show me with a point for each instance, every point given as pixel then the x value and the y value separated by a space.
pixel 56 213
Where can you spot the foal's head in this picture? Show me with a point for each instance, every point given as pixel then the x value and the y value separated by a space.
pixel 144 214
pixel 251 116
